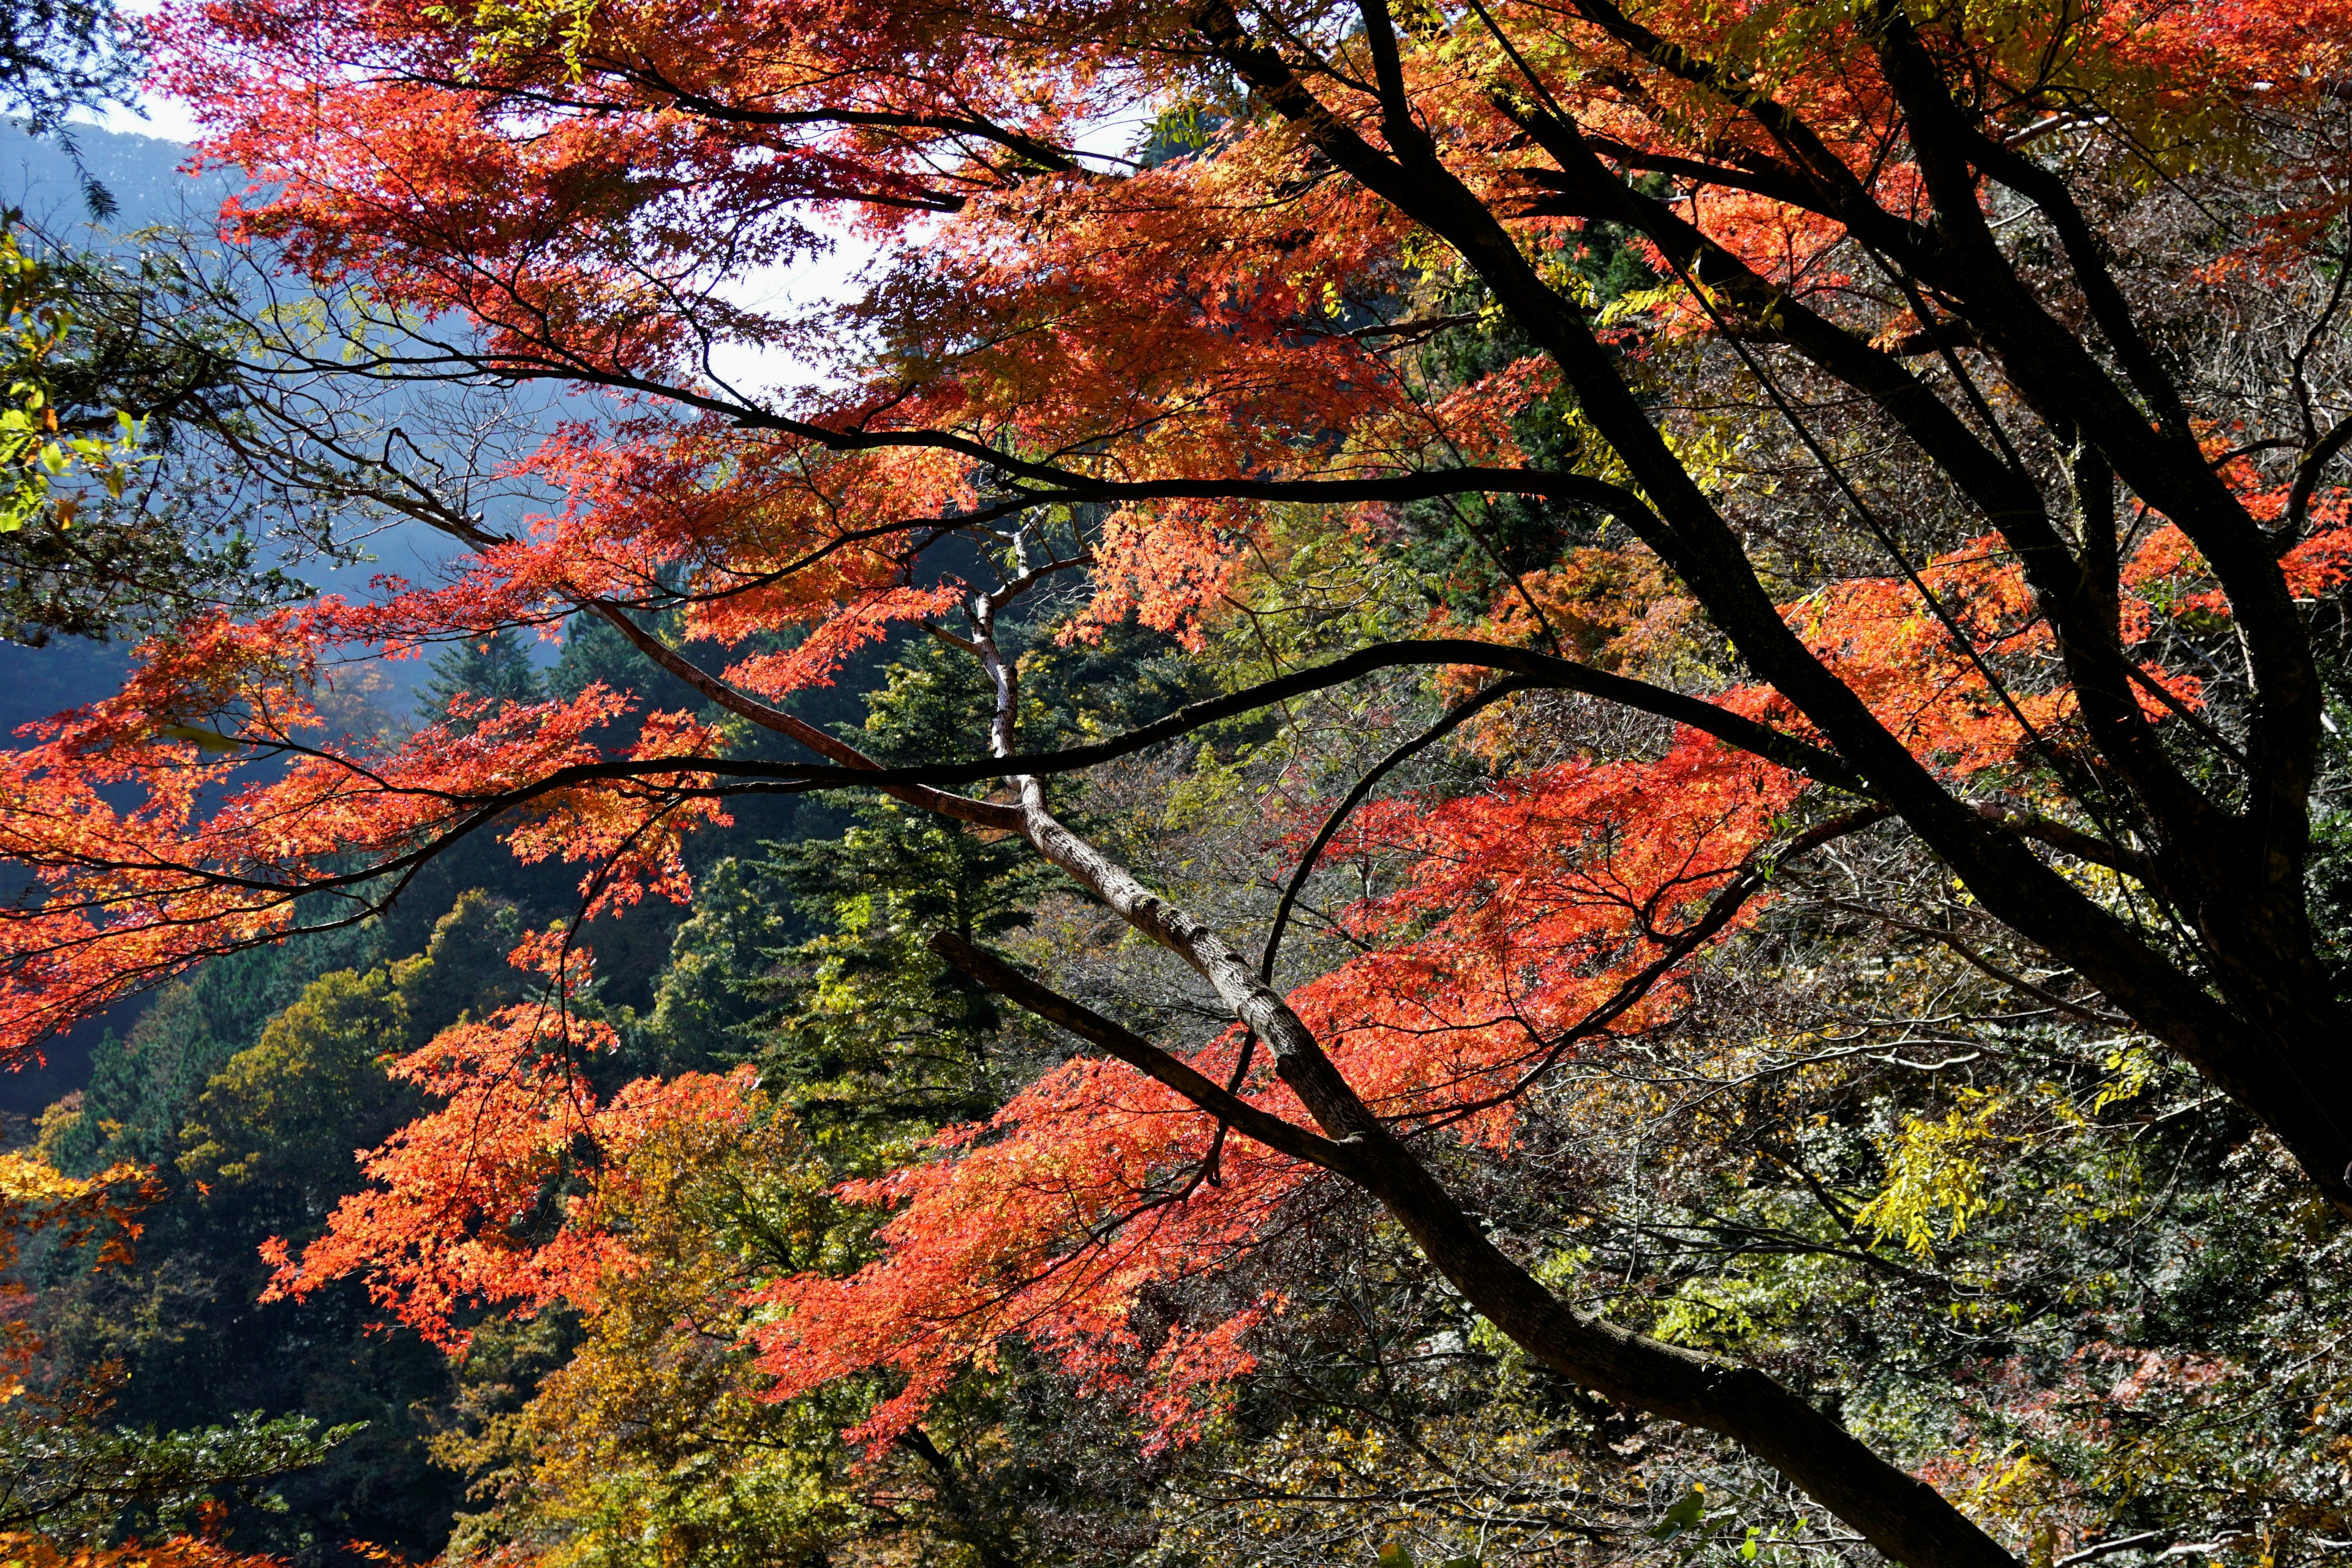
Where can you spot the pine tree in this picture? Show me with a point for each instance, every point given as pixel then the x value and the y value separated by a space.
pixel 495 668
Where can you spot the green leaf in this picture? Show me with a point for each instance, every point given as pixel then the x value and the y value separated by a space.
pixel 1684 1515
pixel 210 740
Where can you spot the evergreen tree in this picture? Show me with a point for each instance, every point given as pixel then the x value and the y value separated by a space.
pixel 495 668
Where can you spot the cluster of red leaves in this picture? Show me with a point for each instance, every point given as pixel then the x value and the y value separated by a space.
pixel 583 191
pixel 178 1552
pixel 213 849
pixel 491 1198
pixel 1531 902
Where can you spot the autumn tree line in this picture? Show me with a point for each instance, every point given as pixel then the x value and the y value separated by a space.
pixel 1477 784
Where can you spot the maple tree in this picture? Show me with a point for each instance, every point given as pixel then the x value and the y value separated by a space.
pixel 2050 608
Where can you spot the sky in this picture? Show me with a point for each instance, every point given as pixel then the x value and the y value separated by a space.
pixel 165 117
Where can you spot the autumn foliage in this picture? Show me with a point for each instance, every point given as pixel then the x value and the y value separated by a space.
pixel 181 1551
pixel 1145 367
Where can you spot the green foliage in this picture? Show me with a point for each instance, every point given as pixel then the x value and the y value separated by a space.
pixel 857 1025
pixel 706 993
pixel 36 450
pixel 502 30
pixel 1683 1517
pixel 1939 1174
pixel 875 1029
pixel 123 389
pixel 282 1110
pixel 77 1479
pixel 143 1084
pixel 594 650
pixel 494 669
pixel 251 1086
pixel 1081 691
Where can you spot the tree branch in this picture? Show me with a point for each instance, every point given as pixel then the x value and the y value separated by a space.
pixel 1253 1122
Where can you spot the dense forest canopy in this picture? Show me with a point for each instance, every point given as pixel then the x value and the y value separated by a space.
pixel 1504 782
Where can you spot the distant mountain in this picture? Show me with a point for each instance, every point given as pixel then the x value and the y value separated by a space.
pixel 142 172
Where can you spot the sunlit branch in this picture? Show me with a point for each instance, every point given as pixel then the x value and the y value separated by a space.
pixel 1251 1120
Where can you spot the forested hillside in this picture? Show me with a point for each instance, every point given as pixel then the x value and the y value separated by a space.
pixel 1487 785
pixel 247 1088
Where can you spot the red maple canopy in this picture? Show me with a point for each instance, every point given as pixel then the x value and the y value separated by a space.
pixel 1146 279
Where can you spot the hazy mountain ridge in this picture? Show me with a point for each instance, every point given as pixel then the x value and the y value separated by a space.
pixel 146 175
